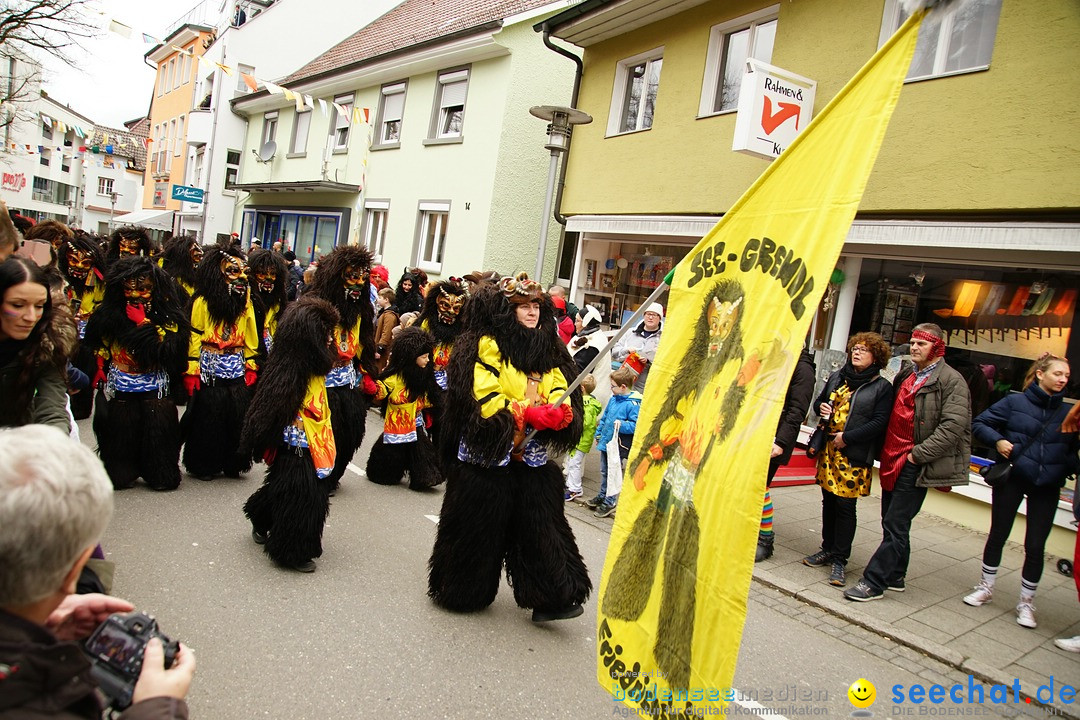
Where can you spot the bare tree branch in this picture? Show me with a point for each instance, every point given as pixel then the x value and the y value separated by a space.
pixel 55 27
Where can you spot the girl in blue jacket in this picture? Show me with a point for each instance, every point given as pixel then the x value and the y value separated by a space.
pixel 1027 426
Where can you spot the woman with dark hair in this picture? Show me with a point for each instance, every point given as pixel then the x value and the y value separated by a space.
pixel 407 294
pixel 1027 429
pixel 854 408
pixel 33 349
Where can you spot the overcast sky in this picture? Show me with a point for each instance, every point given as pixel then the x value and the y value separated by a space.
pixel 112 82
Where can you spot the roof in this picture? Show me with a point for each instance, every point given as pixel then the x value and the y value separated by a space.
pixel 127 143
pixel 593 21
pixel 413 22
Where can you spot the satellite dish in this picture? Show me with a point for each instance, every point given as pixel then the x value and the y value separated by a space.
pixel 267 151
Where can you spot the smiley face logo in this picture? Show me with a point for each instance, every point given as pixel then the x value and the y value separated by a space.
pixel 862 693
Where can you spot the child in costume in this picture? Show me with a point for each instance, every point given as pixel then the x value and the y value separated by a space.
pixel 575 461
pixel 288 425
pixel 140 334
pixel 503 501
pixel 406 385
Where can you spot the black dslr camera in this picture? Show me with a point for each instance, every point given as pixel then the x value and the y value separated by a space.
pixel 116 654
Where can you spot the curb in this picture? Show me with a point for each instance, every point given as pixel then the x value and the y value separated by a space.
pixel 850 612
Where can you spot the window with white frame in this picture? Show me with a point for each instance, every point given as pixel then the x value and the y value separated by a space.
pixel 189 59
pixel 376 214
pixel 301 126
pixel 170 145
pixel 391 109
pixel 232 167
pixel 179 70
pixel 339 127
pixel 633 99
pixel 241 71
pixel 46 130
pixel 104 186
pixel 954 38
pixel 195 172
pixel 450 91
pixel 178 147
pixel 45 156
pixel 730 44
pixel 269 131
pixel 434 218
pixel 169 75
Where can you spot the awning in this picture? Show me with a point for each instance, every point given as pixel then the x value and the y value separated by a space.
pixel 147 217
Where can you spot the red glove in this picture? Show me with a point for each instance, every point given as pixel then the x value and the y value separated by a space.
pixel 268 455
pixel 368 386
pixel 99 376
pixel 136 313
pixel 427 419
pixel 249 377
pixel 192 383
pixel 549 417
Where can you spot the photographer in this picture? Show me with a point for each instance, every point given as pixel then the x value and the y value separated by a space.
pixel 55 502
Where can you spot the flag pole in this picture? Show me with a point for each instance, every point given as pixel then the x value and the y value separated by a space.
pixel 631 322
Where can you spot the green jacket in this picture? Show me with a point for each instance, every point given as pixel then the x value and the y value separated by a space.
pixel 49 406
pixel 593 408
pixel 942 428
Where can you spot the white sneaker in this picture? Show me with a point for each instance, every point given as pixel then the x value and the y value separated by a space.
pixel 1025 615
pixel 1069 644
pixel 983 594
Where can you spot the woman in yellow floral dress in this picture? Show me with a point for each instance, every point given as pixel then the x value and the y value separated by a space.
pixel 854 405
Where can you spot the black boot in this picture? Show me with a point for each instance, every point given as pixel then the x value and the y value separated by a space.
pixel 764 547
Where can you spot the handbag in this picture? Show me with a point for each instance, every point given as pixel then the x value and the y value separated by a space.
pixel 997 474
pixel 816 442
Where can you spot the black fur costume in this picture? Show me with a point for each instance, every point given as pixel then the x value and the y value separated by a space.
pixel 512 514
pixel 84 292
pixel 176 260
pixel 290 508
pixel 348 405
pixel 138 433
pixel 389 461
pixel 670 523
pixel 130 234
pixel 269 302
pixel 211 426
pixel 451 292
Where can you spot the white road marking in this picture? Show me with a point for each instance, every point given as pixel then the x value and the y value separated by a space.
pixel 356 470
pixel 433 518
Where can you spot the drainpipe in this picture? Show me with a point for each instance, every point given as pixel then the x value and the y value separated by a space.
pixel 559 217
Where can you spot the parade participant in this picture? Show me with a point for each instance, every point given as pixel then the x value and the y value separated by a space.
pixel 33 348
pixel 180 257
pixel 129 240
pixel 140 337
pixel 504 497
pixel 406 385
pixel 440 317
pixel 82 264
pixel 479 278
pixel 342 280
pixel 269 273
pixel 288 425
pixel 222 365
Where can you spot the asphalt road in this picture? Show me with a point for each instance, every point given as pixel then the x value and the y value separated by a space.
pixel 359 638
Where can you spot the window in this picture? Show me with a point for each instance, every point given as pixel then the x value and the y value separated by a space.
pixel 953 39
pixel 161 189
pixel 161 80
pixel 170 145
pixel 434 217
pixel 633 101
pixel 298 146
pixel 450 91
pixel 196 171
pixel 178 142
pixel 46 130
pixel 65 163
pixel 46 154
pixel 104 186
pixel 269 132
pixel 232 167
pixel 391 109
pixel 169 73
pixel 730 44
pixel 42 190
pixel 189 58
pixel 241 70
pixel 376 213
pixel 179 60
pixel 339 126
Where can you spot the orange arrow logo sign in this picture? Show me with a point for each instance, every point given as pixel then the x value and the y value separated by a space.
pixel 770 122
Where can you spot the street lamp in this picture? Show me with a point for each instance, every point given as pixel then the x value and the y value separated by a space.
pixel 560 122
pixel 112 209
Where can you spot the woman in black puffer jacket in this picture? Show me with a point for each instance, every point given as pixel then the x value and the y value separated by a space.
pixel 1027 426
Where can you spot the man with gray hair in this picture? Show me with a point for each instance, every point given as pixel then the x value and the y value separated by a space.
pixel 55 502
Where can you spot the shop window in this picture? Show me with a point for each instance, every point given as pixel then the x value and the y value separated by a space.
pixel 339 126
pixel 637 81
pixel 954 38
pixel 730 44
pixel 391 110
pixel 376 215
pixel 434 219
pixel 449 116
pixel 301 127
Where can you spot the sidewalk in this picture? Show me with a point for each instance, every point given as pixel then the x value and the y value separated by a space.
pixel 929 616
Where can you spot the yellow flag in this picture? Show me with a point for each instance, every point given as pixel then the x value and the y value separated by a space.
pixel 680 560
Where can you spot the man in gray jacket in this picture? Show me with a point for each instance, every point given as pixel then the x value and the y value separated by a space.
pixel 927 444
